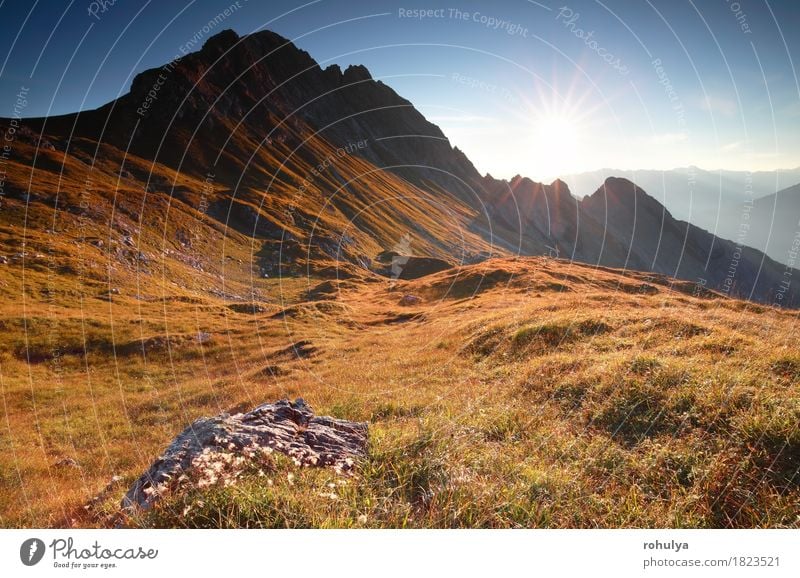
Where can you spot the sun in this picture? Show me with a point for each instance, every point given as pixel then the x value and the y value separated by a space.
pixel 555 143
pixel 558 132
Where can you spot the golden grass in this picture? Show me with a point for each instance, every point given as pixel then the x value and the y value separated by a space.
pixel 554 395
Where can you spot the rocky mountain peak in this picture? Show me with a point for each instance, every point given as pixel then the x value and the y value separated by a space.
pixel 220 43
pixel 621 196
pixel 356 73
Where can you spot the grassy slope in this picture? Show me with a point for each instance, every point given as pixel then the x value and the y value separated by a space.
pixel 107 296
pixel 519 393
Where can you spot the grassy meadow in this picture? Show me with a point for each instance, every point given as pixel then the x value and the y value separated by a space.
pixel 518 393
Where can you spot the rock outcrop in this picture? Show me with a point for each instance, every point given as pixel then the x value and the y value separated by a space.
pixel 287 427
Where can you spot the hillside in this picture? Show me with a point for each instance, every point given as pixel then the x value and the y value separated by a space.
pixel 526 392
pixel 259 228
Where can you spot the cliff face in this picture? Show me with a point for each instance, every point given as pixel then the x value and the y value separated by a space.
pixel 241 93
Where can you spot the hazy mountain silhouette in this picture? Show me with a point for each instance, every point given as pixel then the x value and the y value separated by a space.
pixel 770 224
pixel 709 199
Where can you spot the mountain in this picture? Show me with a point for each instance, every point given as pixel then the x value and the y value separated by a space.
pixel 660 243
pixel 701 197
pixel 620 225
pixel 249 147
pixel 236 94
pixel 770 224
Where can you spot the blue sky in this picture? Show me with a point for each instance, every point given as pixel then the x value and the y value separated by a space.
pixel 540 88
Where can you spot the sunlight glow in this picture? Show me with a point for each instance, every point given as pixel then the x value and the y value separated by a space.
pixel 554 143
pixel 558 126
pixel 556 140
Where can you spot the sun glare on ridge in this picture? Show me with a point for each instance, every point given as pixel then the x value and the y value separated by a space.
pixel 554 143
pixel 555 127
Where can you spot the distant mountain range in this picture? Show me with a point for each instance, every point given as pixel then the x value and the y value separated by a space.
pixel 715 200
pixel 249 139
pixel 670 186
pixel 770 224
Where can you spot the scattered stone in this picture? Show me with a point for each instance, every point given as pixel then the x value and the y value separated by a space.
pixel 184 238
pixel 408 300
pixel 298 350
pixel 287 427
pixel 364 262
pixel 67 463
pixel 108 294
pixel 406 267
pixel 272 371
